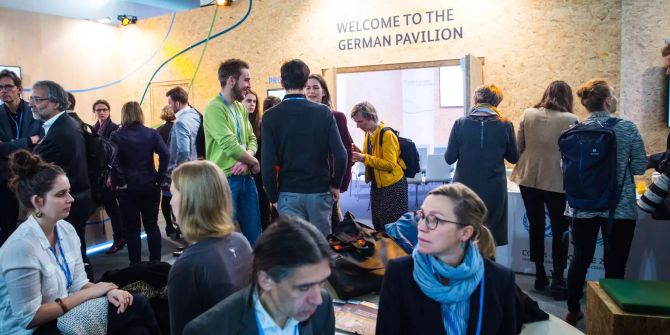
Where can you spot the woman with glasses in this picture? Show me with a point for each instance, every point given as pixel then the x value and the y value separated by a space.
pixel 104 126
pixel 383 166
pixel 446 286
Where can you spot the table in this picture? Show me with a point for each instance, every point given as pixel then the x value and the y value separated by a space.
pixel 649 256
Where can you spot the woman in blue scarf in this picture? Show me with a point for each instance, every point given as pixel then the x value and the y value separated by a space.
pixel 446 286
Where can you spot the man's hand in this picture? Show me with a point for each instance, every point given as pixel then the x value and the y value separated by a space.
pixel 239 169
pixel 255 169
pixel 335 192
pixel 34 139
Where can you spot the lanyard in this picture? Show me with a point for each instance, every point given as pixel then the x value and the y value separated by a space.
pixel 237 120
pixel 64 267
pixel 294 98
pixel 481 304
pixel 18 125
pixel 262 332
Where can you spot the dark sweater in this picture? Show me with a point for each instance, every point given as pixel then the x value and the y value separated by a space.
pixel 297 136
pixel 134 163
pixel 207 273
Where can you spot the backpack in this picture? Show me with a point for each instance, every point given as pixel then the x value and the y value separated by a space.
pixel 99 155
pixel 200 137
pixel 408 152
pixel 589 164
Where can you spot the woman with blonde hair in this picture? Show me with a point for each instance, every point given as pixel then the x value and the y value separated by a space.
pixel 219 261
pixel 452 289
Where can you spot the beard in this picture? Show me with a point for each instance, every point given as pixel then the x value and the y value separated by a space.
pixel 238 93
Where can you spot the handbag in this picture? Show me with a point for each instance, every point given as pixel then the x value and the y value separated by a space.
pixel 361 257
pixel 89 317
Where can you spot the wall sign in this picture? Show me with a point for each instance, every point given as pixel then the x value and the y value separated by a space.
pixel 373 32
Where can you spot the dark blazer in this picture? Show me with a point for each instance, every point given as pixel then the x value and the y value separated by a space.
pixel 134 162
pixel 8 143
pixel 64 145
pixel 405 309
pixel 234 316
pixel 110 127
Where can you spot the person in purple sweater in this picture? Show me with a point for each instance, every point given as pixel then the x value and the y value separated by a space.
pixel 218 263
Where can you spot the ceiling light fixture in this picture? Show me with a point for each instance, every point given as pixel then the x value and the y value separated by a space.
pixel 224 2
pixel 127 19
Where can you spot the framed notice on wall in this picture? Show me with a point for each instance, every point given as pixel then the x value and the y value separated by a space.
pixel 15 69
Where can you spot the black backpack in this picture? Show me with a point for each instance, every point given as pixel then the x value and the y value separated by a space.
pixel 408 152
pixel 200 138
pixel 99 155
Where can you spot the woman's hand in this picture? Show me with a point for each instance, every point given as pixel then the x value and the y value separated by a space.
pixel 120 299
pixel 100 289
pixel 358 157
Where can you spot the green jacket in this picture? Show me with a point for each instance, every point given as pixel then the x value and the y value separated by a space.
pixel 222 146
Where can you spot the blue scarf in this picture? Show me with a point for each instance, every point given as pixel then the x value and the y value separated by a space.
pixel 454 297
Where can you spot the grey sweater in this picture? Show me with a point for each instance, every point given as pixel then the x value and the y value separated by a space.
pixel 205 274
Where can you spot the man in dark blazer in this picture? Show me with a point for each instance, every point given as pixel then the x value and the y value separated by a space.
pixel 18 130
pixel 63 144
pixel 291 262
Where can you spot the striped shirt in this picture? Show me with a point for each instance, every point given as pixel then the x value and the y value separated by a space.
pixel 630 150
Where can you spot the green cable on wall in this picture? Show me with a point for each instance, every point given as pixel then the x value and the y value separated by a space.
pixel 204 49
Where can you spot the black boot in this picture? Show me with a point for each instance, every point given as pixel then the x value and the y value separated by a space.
pixel 559 288
pixel 541 280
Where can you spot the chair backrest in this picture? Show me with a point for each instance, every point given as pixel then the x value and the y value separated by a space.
pixel 423 156
pixel 439 151
pixel 437 169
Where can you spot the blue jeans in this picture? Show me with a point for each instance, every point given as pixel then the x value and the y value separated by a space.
pixel 245 206
pixel 316 208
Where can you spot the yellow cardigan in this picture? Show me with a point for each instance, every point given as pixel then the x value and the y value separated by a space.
pixel 386 162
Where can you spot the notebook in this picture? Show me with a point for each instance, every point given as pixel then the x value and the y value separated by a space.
pixel 639 296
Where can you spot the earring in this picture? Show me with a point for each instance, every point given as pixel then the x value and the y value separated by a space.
pixel 462 245
pixel 38 214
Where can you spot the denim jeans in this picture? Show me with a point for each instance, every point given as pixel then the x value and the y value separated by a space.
pixel 313 207
pixel 245 206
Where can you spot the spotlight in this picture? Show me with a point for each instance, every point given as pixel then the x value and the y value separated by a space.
pixel 224 2
pixel 126 19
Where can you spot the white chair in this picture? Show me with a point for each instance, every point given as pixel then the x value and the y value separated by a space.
pixel 416 181
pixel 423 156
pixel 437 170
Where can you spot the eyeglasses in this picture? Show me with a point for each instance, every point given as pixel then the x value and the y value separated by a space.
pixel 431 220
pixel 101 110
pixel 37 99
pixel 7 87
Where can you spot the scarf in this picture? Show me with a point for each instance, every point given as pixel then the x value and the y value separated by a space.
pixel 454 297
pixel 484 109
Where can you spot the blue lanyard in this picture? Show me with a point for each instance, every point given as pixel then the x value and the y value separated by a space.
pixel 262 332
pixel 237 121
pixel 481 304
pixel 294 98
pixel 64 267
pixel 18 125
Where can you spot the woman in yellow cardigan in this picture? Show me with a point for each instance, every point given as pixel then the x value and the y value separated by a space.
pixel 383 166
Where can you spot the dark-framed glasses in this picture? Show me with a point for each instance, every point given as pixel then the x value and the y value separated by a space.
pixel 7 87
pixel 37 99
pixel 101 110
pixel 431 220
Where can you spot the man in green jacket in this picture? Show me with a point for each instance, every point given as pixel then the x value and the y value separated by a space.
pixel 231 144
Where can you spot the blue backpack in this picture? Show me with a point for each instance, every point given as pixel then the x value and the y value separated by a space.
pixel 589 164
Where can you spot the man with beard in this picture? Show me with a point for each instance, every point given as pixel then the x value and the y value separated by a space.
pixel 63 144
pixel 18 130
pixel 231 144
